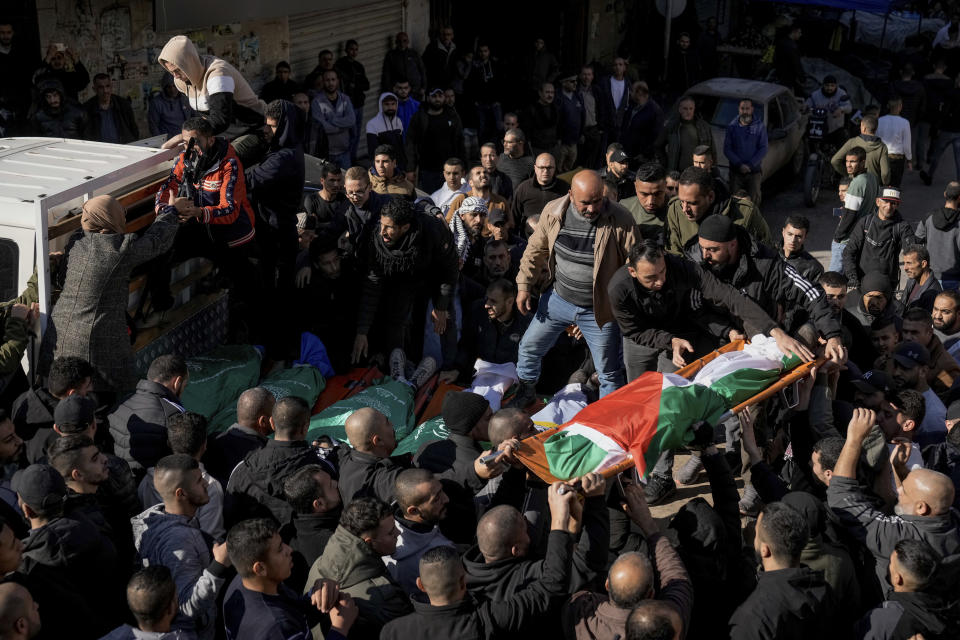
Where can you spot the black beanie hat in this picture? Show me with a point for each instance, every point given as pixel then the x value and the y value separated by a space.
pixel 462 410
pixel 717 228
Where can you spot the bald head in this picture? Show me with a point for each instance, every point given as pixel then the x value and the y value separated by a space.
pixel 930 487
pixel 254 407
pixel 586 194
pixel 654 619
pixel 630 580
pixel 509 423
pixel 545 168
pixel 501 533
pixel 362 425
pixel 19 617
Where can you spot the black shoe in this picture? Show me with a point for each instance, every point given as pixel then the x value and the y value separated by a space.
pixel 926 177
pixel 525 396
pixel 659 488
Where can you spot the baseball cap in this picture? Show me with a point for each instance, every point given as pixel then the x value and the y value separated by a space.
pixel 40 486
pixel 74 413
pixel 872 381
pixel 890 193
pixel 619 156
pixel 435 91
pixel 497 216
pixel 910 354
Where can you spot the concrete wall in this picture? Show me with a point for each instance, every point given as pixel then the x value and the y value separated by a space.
pixel 117 37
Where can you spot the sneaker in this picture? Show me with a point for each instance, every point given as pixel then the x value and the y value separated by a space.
pixel 426 368
pixel 659 488
pixel 398 361
pixel 525 396
pixel 750 504
pixel 690 471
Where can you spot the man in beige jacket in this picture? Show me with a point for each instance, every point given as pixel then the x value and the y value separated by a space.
pixel 581 240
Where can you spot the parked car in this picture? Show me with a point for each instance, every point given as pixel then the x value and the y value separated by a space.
pixel 718 102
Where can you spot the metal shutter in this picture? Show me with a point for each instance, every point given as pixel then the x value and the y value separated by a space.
pixel 372 24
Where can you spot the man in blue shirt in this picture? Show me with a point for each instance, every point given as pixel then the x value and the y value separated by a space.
pixel 745 146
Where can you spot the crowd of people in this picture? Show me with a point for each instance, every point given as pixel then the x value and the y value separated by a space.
pixel 584 238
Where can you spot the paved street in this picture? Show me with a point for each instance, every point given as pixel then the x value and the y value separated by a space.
pixel 781 200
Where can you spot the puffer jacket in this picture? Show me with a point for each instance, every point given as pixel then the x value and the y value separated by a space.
pixel 404 563
pixel 361 573
pixel 139 424
pixel 255 488
pixel 177 543
pixel 221 194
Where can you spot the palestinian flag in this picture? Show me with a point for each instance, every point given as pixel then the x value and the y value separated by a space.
pixel 649 415
pixel 737 376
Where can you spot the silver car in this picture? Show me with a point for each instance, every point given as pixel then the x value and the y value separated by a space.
pixel 718 102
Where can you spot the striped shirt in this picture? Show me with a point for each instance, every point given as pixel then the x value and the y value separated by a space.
pixel 574 254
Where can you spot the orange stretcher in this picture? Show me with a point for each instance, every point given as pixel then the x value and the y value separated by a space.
pixel 533 457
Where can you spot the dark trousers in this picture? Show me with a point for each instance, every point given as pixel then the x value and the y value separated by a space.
pixel 749 182
pixel 898 165
pixel 278 248
pixel 591 150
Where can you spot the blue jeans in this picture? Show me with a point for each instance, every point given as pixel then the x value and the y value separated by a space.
pixel 554 314
pixel 342 160
pixel 836 256
pixel 946 138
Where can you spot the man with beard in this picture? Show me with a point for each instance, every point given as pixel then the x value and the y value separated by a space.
pixel 754 269
pixel 314 495
pixel 499 261
pixel 479 181
pixel 922 510
pixel 834 99
pixel 361 215
pixel 333 111
pixel 435 134
pixel 492 332
pixel 946 321
pixel 791 249
pixel 411 258
pixel 406 104
pixel 56 116
pixel 541 120
pixel 467 224
pixel 696 200
pixel 168 534
pixel 641 123
pixel 685 130
pixel 590 147
pixel 922 287
pixel 500 183
pixel 514 162
pixel 329 204
pixel 910 364
pixel 944 369
pixel 876 241
pixel 873 299
pixel 745 146
pixel 532 195
pixel 585 238
pixel 649 206
pixel 386 128
pixel 617 177
pixel 420 506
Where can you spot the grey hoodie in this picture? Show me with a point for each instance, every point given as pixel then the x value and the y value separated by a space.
pixel 177 543
pixel 404 564
pixel 940 232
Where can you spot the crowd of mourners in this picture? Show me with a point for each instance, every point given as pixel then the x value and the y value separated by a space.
pixel 534 227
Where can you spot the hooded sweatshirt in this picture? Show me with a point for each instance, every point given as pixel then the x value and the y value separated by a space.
pixel 383 129
pixel 940 231
pixel 276 183
pixel 214 87
pixel 878 162
pixel 414 541
pixel 177 542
